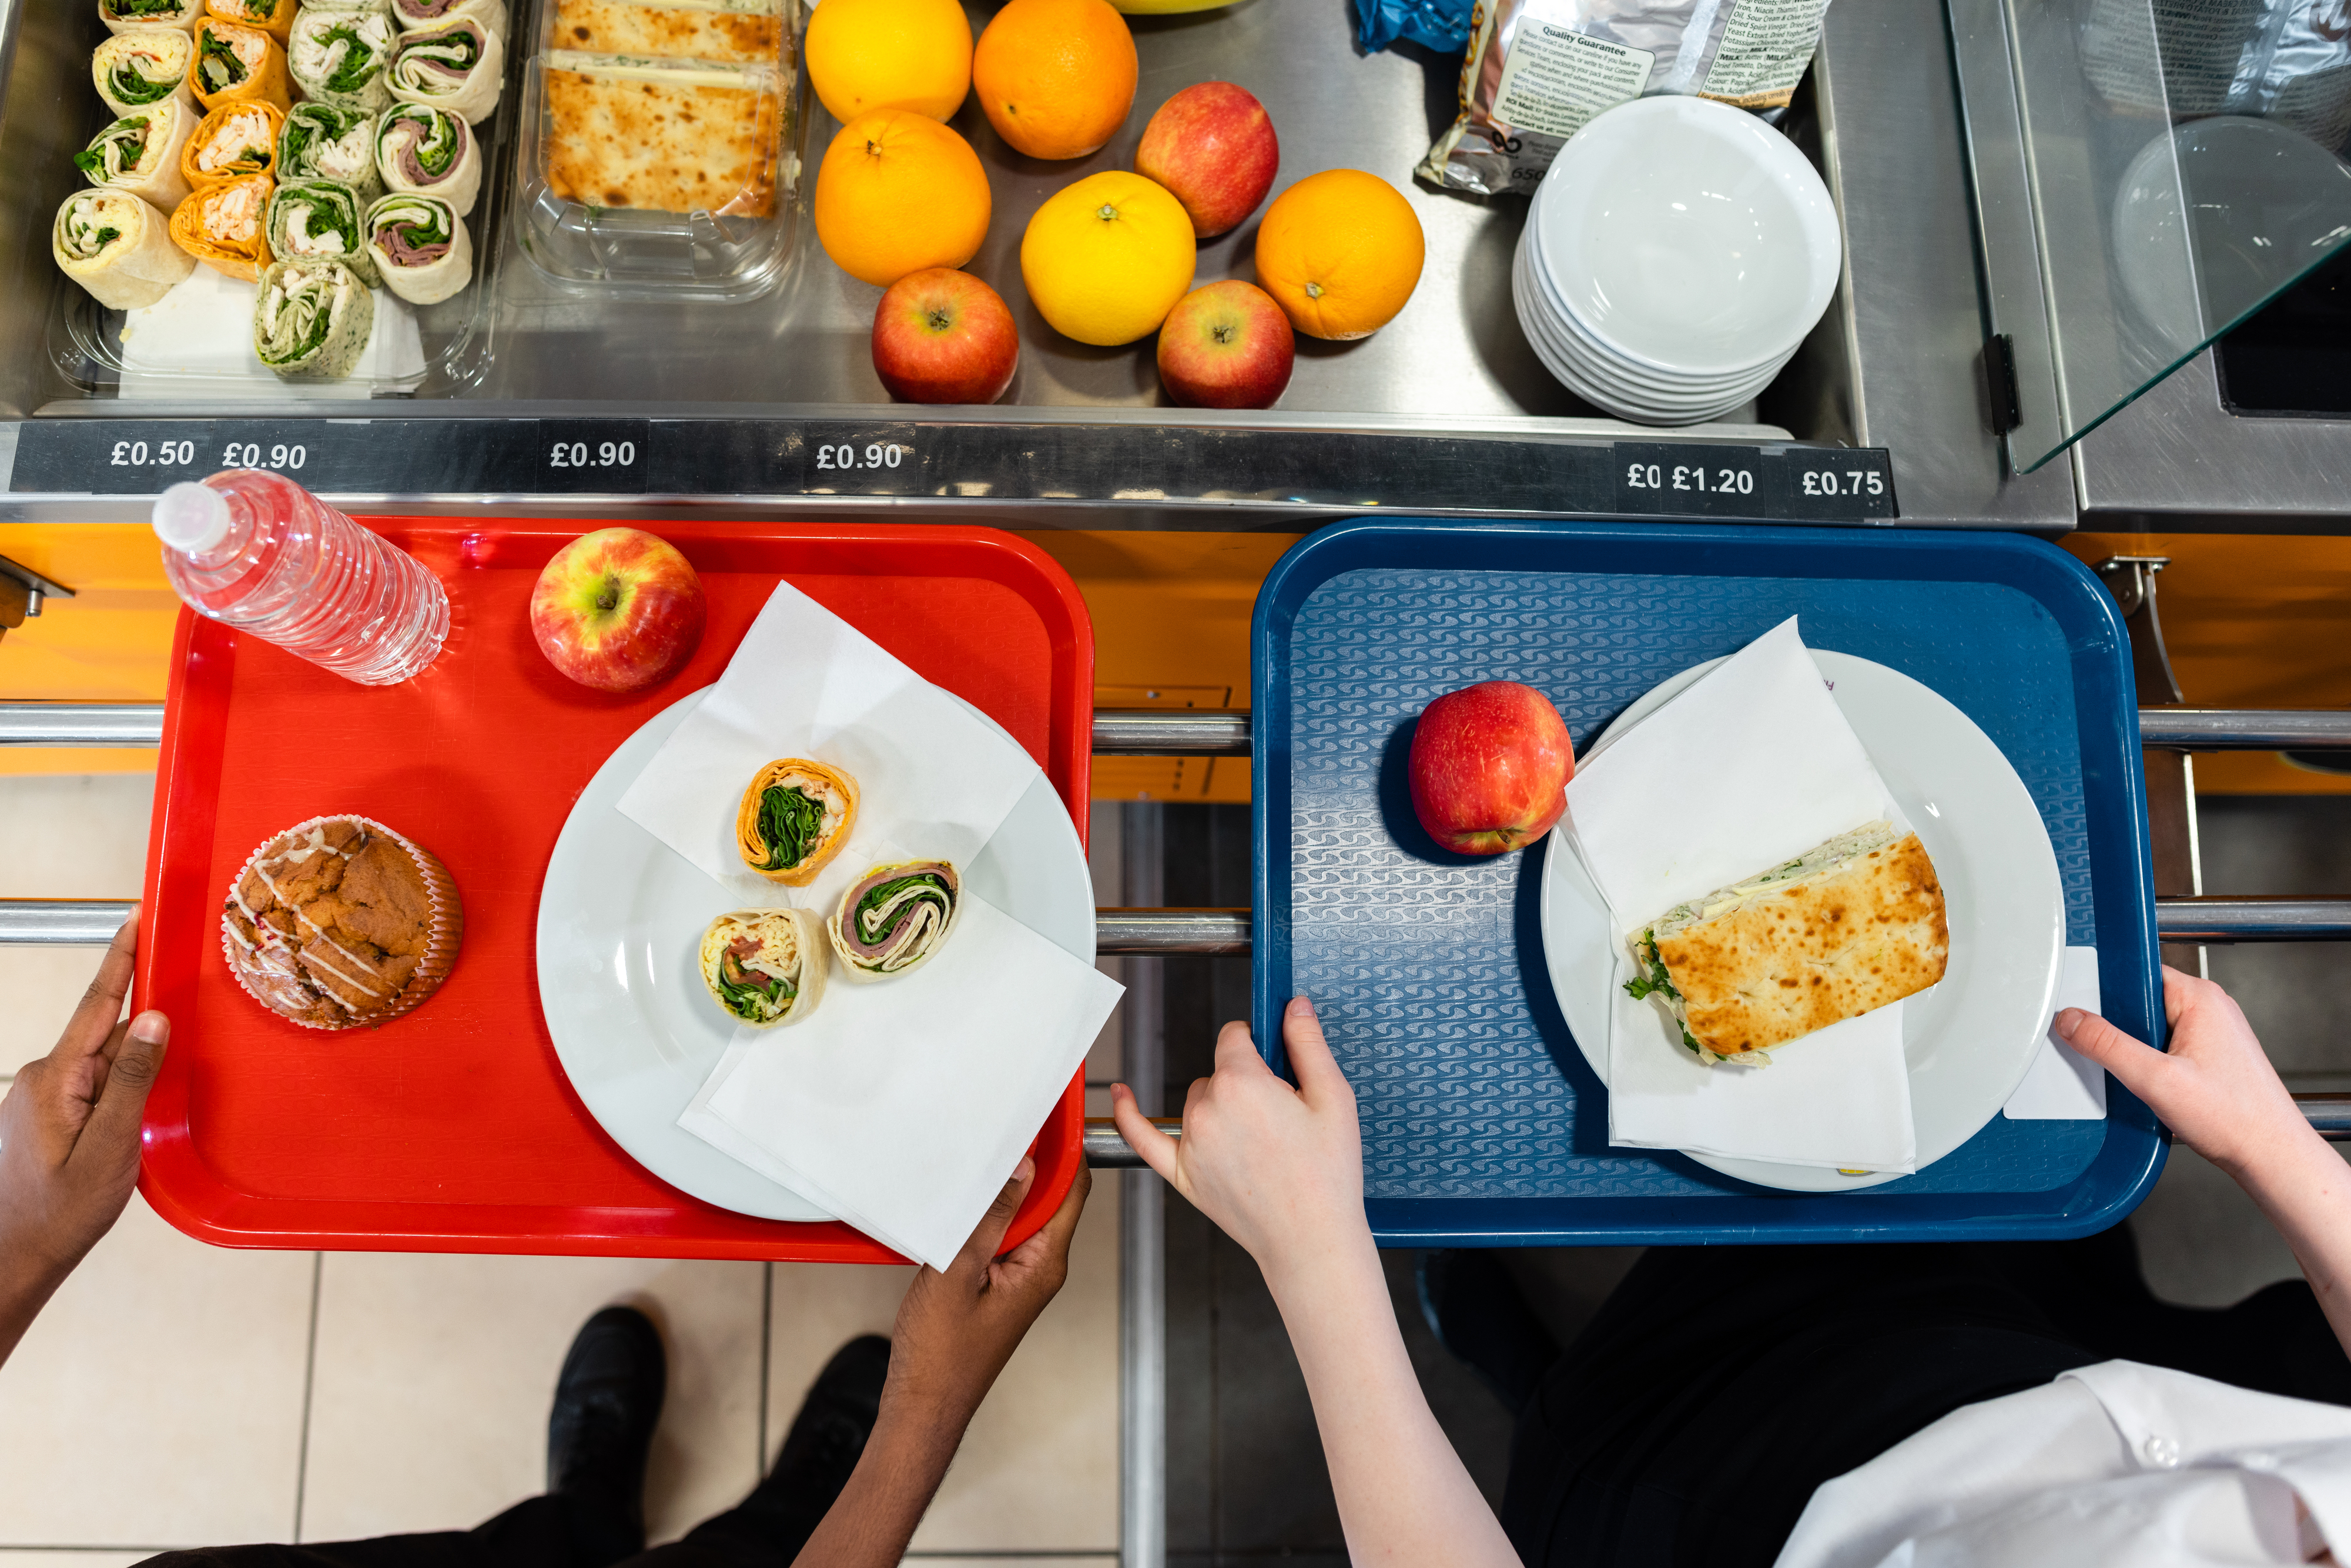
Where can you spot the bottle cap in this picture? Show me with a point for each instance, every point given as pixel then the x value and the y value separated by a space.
pixel 192 517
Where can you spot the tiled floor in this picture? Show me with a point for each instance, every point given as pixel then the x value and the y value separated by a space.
pixel 179 1395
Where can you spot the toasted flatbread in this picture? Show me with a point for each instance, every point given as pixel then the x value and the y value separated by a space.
pixel 693 32
pixel 1845 930
pixel 668 136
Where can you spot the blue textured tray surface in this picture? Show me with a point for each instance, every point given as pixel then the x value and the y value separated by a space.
pixel 1427 967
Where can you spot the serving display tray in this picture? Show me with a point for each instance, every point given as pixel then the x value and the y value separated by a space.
pixel 453 1129
pixel 1482 1123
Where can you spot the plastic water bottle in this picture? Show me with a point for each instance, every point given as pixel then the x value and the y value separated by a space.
pixel 259 552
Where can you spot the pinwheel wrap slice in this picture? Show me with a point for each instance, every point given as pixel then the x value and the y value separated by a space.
pixel 226 226
pixel 430 151
pixel 766 968
pixel 236 64
pixel 421 249
pixel 145 15
pixel 118 248
pixel 319 220
pixel 418 16
pixel 312 320
pixel 275 18
pixel 321 141
pixel 796 815
pixel 140 154
pixel 894 918
pixel 234 139
pixel 459 66
pixel 343 58
pixel 144 68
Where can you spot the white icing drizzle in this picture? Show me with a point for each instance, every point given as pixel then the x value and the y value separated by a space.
pixel 273 957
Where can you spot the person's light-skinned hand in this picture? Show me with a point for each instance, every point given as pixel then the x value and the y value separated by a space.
pixel 956 1330
pixel 2214 1088
pixel 69 1139
pixel 1280 1170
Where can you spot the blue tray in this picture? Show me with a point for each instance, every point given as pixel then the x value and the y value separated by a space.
pixel 1482 1124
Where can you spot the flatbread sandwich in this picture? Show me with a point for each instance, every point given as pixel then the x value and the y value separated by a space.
pixel 1842 930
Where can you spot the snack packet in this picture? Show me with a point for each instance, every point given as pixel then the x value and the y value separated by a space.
pixel 1538 69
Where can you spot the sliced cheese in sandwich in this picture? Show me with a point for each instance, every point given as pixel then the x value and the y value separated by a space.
pixel 691 29
pixel 1842 930
pixel 667 135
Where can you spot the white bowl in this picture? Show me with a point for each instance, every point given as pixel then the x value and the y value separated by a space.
pixel 1688 236
pixel 1614 398
pixel 1557 342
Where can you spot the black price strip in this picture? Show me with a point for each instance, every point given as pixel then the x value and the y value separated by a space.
pixel 330 455
pixel 1804 484
pixel 592 457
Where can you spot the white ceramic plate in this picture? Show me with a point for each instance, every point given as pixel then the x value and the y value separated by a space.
pixel 1595 352
pixel 1690 234
pixel 1969 1039
pixel 621 917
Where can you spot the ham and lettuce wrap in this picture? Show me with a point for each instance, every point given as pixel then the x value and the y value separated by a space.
pixel 795 816
pixel 321 141
pixel 892 919
pixel 143 70
pixel 416 15
pixel 234 139
pixel 420 247
pixel 319 220
pixel 118 248
pixel 311 319
pixel 766 968
pixel 430 151
pixel 225 226
pixel 139 16
pixel 236 64
pixel 275 18
pixel 343 58
pixel 459 66
pixel 140 154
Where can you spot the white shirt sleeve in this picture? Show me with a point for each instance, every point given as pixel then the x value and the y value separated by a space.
pixel 2115 1464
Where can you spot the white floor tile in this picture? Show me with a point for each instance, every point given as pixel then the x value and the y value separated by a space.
pixel 1039 1469
pixel 158 1400
pixel 435 1374
pixel 62 836
pixel 73 1559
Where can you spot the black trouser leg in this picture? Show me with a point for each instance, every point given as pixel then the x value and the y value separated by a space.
pixel 550 1532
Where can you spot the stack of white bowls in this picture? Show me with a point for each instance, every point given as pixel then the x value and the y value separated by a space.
pixel 1674 257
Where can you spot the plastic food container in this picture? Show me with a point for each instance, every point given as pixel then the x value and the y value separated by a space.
pixel 735 239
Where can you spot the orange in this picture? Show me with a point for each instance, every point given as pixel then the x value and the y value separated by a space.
pixel 864 55
pixel 1105 259
pixel 1056 77
pixel 898 192
pixel 1341 251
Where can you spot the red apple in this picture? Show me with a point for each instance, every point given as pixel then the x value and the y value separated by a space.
pixel 1226 346
pixel 1489 768
pixel 617 610
pixel 943 336
pixel 1212 145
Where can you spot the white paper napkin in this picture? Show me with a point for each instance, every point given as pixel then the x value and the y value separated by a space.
pixel 203 329
pixel 1752 764
pixel 931 774
pixel 904 1106
pixel 2062 1084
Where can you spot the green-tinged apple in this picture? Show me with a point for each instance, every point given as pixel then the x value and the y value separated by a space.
pixel 1213 145
pixel 619 610
pixel 1228 345
pixel 1489 768
pixel 943 336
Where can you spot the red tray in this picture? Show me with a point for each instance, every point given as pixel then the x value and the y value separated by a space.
pixel 453 1129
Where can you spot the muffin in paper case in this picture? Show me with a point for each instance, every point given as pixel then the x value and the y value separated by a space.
pixel 392 923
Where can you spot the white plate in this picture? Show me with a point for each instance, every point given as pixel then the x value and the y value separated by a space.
pixel 1638 375
pixel 1690 234
pixel 621 917
pixel 1969 1039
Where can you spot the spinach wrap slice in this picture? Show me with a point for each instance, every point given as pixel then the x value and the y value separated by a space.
pixel 311 319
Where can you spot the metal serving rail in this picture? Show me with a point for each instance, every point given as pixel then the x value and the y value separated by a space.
pixel 1225 732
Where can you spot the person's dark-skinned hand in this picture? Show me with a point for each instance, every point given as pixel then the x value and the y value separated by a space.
pixel 69 1139
pixel 956 1330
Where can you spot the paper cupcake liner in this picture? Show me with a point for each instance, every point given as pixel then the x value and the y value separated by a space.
pixel 445 931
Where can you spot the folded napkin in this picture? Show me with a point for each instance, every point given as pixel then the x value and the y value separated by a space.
pixel 2062 1084
pixel 904 1106
pixel 1752 764
pixel 931 773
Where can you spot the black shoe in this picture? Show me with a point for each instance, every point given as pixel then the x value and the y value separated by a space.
pixel 1474 1308
pixel 835 1419
pixel 607 1399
